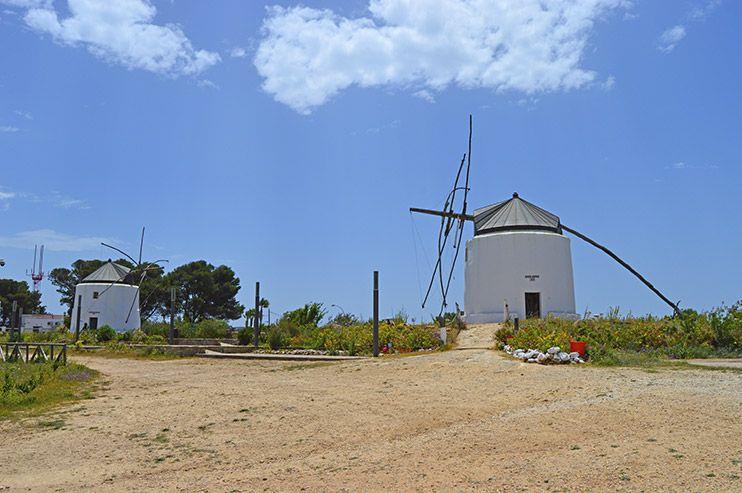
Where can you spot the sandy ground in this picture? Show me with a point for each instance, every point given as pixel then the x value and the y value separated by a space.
pixel 468 420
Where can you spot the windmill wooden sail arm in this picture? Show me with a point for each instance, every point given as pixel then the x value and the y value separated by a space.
pixel 615 257
pixel 452 215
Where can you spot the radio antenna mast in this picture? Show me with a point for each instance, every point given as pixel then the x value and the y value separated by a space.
pixel 37 275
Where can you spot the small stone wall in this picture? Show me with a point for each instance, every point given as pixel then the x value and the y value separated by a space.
pixel 179 341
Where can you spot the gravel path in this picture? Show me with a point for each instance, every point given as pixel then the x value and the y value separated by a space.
pixel 478 336
pixel 454 421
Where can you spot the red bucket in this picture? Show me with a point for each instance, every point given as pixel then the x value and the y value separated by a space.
pixel 577 347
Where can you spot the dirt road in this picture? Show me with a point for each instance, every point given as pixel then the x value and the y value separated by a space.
pixel 455 421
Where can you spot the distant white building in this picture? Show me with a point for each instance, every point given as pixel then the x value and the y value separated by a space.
pixel 40 322
pixel 107 297
pixel 518 264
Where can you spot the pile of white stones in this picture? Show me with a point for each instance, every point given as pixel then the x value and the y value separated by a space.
pixel 552 355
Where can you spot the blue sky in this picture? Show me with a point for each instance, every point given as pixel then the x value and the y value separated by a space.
pixel 288 142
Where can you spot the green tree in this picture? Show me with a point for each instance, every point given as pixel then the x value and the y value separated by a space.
pixel 204 291
pixel 310 314
pixel 250 313
pixel 29 301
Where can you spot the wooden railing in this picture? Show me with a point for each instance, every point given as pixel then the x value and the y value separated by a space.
pixel 33 352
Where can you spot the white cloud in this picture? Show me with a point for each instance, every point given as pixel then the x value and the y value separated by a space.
pixel 8 129
pixel 238 52
pixel 5 198
pixel 54 198
pixel 682 165
pixel 308 55
pixel 58 199
pixel 53 241
pixel 669 39
pixel 26 115
pixel 206 83
pixel 425 95
pixel 120 32
pixel 27 4
pixel 700 12
pixel 608 83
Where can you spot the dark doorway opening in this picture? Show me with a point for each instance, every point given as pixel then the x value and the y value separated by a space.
pixel 533 305
pixel 93 323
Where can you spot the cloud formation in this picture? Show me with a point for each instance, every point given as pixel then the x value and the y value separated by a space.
pixel 669 39
pixel 307 56
pixel 55 198
pixel 52 240
pixel 119 32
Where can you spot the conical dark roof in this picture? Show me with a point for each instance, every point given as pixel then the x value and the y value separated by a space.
pixel 108 272
pixel 514 214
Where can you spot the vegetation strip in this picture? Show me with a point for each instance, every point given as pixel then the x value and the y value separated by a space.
pixel 616 340
pixel 36 387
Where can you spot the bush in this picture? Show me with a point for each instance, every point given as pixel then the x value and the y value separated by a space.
pixel 358 339
pixel 694 335
pixel 277 337
pixel 205 329
pixel 245 335
pixel 105 333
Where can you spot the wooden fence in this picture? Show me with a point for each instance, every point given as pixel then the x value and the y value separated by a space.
pixel 33 352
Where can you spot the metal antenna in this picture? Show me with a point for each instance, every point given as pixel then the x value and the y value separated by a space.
pixel 37 275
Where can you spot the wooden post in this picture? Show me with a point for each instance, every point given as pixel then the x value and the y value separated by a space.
pixel 256 316
pixel 515 325
pixel 376 313
pixel 77 323
pixel 171 335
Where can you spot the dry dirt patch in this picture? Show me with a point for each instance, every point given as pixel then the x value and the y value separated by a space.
pixel 453 421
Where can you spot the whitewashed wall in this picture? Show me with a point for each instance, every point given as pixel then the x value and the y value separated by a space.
pixel 111 307
pixel 505 266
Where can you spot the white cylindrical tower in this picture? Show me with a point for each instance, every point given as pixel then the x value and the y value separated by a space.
pixel 105 298
pixel 518 263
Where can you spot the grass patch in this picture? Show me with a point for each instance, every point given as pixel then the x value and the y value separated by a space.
pixel 36 387
pixel 118 351
pixel 624 340
pixel 306 366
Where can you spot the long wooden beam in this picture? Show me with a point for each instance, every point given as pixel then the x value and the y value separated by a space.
pixel 627 266
pixel 453 215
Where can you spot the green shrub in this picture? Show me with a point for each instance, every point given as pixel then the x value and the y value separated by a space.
pixel 37 386
pixel 245 336
pixel 105 333
pixel 694 335
pixel 277 337
pixel 205 329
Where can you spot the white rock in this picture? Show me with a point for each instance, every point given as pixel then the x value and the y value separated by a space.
pixel 553 350
pixel 574 355
pixel 532 360
pixel 542 358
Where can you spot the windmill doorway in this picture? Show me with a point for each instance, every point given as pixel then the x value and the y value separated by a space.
pixel 533 305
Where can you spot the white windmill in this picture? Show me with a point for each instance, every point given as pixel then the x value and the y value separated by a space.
pixel 110 295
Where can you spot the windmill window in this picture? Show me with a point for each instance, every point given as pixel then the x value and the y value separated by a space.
pixel 95 295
